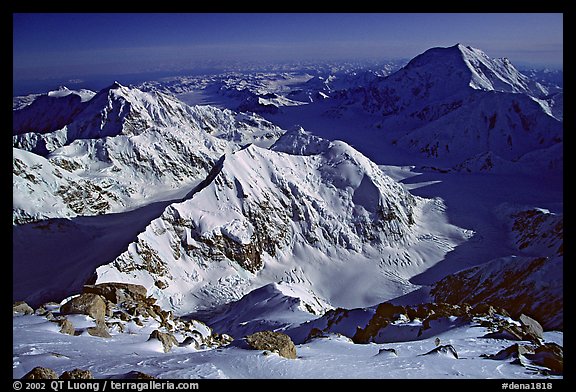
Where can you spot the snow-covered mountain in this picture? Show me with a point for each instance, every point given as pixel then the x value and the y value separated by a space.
pixel 136 146
pixel 265 216
pixel 49 112
pixel 456 102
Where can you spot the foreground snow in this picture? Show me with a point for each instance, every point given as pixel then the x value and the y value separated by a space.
pixel 38 343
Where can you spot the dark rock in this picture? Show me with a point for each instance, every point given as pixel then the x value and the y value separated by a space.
pixel 167 339
pixel 314 333
pixel 221 339
pixel 483 309
pixel 508 332
pixel 273 341
pixel 116 325
pixel 41 373
pixel 21 307
pixel 41 311
pixel 87 303
pixel 136 375
pixel 387 352
pixel 77 374
pixel 549 355
pixel 385 314
pixel 118 293
pixel 447 349
pixel 189 341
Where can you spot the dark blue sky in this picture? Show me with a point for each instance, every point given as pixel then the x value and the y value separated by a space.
pixel 73 45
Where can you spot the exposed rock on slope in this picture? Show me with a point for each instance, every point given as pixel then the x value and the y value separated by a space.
pixel 533 286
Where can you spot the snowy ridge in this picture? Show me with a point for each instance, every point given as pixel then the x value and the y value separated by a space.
pixel 152 140
pixel 265 215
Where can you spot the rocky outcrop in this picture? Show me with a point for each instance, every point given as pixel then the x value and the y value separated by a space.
pixel 531 327
pixel 100 330
pixel 117 293
pixel 277 342
pixel 385 314
pixel 21 307
pixel 549 355
pixel 529 286
pixel 136 375
pixel 41 373
pixel 89 304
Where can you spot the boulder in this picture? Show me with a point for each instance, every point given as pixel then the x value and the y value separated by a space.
pixel 21 307
pixel 76 374
pixel 277 342
pixel 87 303
pixel 41 373
pixel 167 339
pixel 532 329
pixel 118 292
pixel 66 327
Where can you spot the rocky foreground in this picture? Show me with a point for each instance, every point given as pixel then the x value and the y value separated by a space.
pixel 108 309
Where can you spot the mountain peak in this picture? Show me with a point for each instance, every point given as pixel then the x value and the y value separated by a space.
pixel 115 85
pixel 466 67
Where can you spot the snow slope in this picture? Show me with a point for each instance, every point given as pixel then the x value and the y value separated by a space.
pixel 38 343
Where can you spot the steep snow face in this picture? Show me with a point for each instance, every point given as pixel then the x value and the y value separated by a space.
pixel 271 307
pixel 263 216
